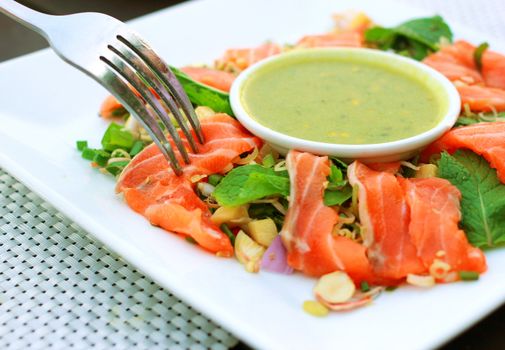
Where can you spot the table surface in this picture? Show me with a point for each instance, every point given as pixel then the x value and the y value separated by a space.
pixel 60 288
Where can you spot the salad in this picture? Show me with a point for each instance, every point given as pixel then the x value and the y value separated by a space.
pixel 358 228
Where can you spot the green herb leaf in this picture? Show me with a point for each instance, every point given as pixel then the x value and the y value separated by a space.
pixel 365 287
pixel 101 157
pixel 214 179
pixel 81 145
pixel 226 230
pixel 266 210
pixel 203 95
pixel 116 137
pixel 116 168
pixel 477 55
pixel 268 161
pixel 251 182
pixel 415 38
pixel 336 178
pixel 468 275
pixel 136 148
pixel 384 38
pixel 429 31
pixel 88 153
pixel 337 197
pixel 483 197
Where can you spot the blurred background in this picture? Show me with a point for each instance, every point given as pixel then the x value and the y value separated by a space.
pixel 15 40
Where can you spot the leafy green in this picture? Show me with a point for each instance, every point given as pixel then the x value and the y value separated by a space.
pixel 226 230
pixel 483 197
pixel 268 161
pixel 474 118
pixel 250 182
pixel 203 95
pixel 81 145
pixel 136 148
pixel 116 137
pixel 214 179
pixel 415 38
pixel 266 210
pixel 337 197
pixel 116 167
pixel 477 55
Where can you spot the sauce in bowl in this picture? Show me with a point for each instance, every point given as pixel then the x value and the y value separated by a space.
pixel 331 99
pixel 351 103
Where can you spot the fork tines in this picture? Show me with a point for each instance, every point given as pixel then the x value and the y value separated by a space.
pixel 135 63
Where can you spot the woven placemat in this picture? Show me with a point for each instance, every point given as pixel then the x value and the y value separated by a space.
pixel 60 289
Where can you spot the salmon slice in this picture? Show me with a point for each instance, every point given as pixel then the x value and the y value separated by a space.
pixel 389 167
pixel 482 92
pixel 435 213
pixel 218 79
pixel 385 218
pixel 342 39
pixel 493 69
pixel 456 62
pixel 485 139
pixel 307 230
pixel 481 98
pixel 240 59
pixel 152 189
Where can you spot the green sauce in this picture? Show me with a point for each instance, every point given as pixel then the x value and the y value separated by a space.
pixel 341 100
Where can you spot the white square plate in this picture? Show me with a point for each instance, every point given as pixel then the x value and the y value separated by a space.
pixel 45 106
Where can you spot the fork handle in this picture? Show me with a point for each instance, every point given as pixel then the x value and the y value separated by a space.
pixel 32 19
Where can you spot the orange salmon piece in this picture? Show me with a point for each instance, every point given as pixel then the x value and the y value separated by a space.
pixel 111 108
pixel 152 189
pixel 307 230
pixel 218 79
pixel 435 214
pixel 485 139
pixel 385 217
pixel 481 98
pixel 456 62
pixel 342 39
pixel 389 167
pixel 493 69
pixel 240 59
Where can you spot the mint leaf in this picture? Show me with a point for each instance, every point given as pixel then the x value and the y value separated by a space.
pixel 415 38
pixel 428 31
pixel 483 196
pixel 250 182
pixel 203 95
pixel 117 137
pixel 337 197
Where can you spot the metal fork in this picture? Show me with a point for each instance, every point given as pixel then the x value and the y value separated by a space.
pixel 111 53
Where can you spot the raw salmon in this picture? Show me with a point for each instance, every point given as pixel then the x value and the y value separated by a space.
pixel 493 69
pixel 434 216
pixel 307 230
pixel 385 219
pixel 216 78
pixel 456 62
pixel 389 167
pixel 486 139
pixel 342 39
pixel 483 90
pixel 480 98
pixel 151 188
pixel 240 59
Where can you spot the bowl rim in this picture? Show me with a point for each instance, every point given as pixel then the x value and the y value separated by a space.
pixel 348 150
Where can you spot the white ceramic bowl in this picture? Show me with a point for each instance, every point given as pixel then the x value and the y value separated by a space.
pixel 379 152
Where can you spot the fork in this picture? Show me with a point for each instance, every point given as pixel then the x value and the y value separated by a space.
pixel 108 51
